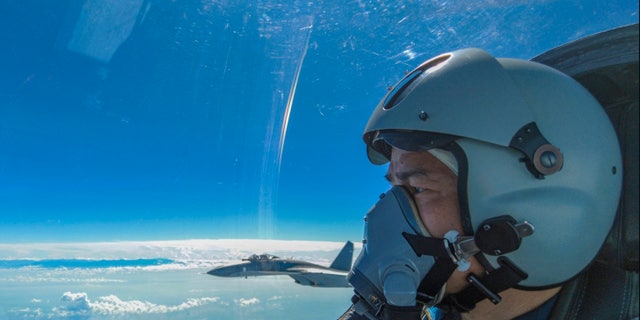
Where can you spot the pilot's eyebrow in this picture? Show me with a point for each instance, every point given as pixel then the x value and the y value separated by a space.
pixel 404 175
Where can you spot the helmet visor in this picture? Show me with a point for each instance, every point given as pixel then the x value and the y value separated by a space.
pixel 379 143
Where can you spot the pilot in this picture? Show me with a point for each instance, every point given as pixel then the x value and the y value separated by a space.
pixel 505 177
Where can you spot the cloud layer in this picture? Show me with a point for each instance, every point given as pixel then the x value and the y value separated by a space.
pixel 197 249
pixel 80 304
pixel 180 290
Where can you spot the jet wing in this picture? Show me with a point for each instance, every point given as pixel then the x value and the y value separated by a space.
pixel 317 277
pixel 304 270
pixel 321 280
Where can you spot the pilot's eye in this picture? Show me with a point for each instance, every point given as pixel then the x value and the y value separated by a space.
pixel 418 189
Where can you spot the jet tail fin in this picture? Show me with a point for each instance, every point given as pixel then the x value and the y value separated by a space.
pixel 344 258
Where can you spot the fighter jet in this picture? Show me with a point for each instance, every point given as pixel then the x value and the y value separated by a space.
pixel 304 273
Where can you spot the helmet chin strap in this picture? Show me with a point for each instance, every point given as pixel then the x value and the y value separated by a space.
pixel 488 287
pixel 495 236
pixel 430 291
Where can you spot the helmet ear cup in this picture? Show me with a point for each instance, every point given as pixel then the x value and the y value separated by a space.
pixel 571 210
pixel 606 64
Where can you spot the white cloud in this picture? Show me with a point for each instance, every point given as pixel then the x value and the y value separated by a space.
pixel 77 304
pixel 246 302
pixel 275 302
pixel 28 313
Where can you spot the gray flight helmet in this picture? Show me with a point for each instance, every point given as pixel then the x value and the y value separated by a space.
pixel 531 143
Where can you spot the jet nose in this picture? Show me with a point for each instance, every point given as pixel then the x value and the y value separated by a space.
pixel 235 270
pixel 219 271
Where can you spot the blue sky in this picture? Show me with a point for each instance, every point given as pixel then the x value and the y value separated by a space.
pixel 161 120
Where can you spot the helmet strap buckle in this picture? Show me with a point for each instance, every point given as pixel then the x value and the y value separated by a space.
pixel 488 287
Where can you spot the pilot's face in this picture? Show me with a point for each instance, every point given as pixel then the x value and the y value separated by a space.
pixel 434 189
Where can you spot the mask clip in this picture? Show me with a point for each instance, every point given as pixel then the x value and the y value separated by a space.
pixel 462 248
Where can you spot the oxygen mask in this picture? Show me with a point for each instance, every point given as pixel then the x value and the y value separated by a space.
pixel 401 267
